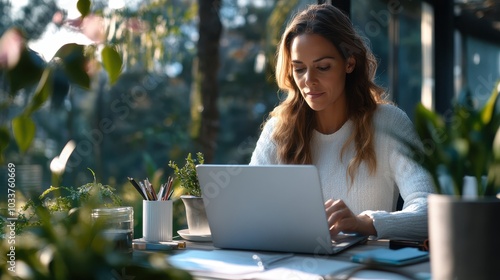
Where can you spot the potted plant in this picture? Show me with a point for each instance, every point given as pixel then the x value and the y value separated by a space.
pixel 461 151
pixel 54 237
pixel 196 216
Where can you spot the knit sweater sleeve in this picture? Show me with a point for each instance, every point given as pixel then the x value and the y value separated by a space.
pixel 413 181
pixel 265 151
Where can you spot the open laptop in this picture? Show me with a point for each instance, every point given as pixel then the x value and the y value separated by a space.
pixel 269 208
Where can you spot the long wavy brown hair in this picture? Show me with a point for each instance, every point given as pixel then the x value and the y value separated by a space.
pixel 296 120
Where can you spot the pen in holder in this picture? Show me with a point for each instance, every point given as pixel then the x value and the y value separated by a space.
pixel 157 220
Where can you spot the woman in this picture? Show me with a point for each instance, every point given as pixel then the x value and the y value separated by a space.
pixel 334 117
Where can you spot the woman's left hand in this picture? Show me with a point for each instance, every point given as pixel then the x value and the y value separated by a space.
pixel 341 218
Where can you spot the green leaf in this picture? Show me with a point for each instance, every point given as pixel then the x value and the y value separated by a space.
pixel 4 140
pixel 489 109
pixel 42 92
pixel 112 63
pixel 429 125
pixel 496 146
pixel 490 116
pixel 23 129
pixel 74 63
pixel 83 7
pixel 27 71
pixel 465 120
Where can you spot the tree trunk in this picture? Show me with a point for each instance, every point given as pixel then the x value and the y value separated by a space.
pixel 205 116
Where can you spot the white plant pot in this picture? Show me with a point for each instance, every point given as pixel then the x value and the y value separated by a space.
pixel 195 215
pixel 464 237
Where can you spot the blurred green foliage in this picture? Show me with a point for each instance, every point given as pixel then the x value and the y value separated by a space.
pixel 142 120
pixel 463 142
pixel 71 61
pixel 64 243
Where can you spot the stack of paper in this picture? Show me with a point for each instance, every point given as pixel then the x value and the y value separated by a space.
pixel 228 264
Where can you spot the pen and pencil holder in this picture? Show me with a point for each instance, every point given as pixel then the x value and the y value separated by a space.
pixel 157 220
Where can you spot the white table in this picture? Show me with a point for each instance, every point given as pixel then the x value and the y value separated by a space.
pixel 298 266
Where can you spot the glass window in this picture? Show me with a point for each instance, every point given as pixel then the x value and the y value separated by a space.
pixel 409 57
pixel 483 68
pixel 394 33
pixel 371 18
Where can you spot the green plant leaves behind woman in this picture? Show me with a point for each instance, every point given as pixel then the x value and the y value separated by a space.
pixel 464 141
pixel 490 113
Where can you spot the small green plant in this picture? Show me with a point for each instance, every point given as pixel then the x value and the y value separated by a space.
pixel 187 175
pixel 64 199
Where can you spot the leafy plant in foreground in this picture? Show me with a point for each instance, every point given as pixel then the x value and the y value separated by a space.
pixel 62 242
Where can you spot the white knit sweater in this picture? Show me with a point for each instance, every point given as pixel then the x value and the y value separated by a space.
pixel 372 194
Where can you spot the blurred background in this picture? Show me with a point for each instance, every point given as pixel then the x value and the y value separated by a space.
pixel 197 76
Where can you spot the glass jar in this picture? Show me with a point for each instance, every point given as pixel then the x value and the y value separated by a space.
pixel 117 225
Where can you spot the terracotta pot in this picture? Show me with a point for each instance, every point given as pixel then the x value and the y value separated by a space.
pixel 195 214
pixel 464 237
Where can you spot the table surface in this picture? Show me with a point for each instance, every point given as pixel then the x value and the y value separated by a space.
pixel 417 271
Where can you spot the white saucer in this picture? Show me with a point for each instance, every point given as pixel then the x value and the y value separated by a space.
pixel 184 233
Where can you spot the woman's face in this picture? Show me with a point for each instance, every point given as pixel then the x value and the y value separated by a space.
pixel 319 70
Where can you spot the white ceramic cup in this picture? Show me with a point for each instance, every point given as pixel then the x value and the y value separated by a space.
pixel 157 220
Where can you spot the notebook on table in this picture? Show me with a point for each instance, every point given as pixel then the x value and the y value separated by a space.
pixel 269 208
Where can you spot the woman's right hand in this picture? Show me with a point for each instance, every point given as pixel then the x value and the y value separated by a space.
pixel 342 219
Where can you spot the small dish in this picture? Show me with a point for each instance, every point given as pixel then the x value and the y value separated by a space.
pixel 184 233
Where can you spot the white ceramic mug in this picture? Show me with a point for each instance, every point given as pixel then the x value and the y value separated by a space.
pixel 157 220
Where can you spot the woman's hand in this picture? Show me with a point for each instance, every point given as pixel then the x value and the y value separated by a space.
pixel 341 218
